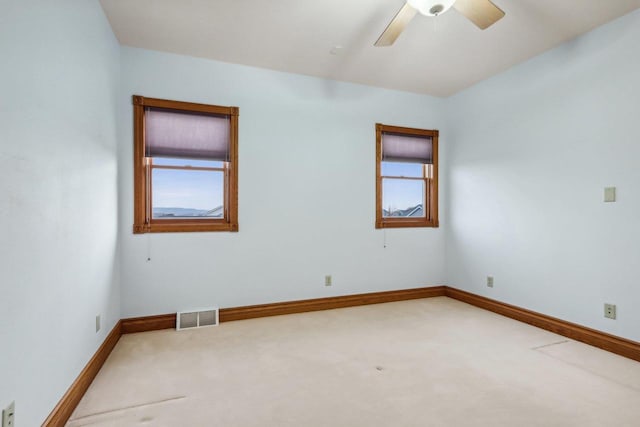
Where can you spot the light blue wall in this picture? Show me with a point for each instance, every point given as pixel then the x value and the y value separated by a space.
pixel 58 215
pixel 531 151
pixel 306 192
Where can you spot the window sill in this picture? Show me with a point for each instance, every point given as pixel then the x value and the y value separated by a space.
pixel 179 226
pixel 406 223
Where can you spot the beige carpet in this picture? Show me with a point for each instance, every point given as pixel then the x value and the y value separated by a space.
pixel 431 362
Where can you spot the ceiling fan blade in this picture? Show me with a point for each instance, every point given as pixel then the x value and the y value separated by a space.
pixel 483 13
pixel 396 26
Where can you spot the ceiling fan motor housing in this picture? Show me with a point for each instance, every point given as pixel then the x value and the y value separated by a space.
pixel 431 7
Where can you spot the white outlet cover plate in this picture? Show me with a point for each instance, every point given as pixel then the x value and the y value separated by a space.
pixel 610 194
pixel 610 311
pixel 8 415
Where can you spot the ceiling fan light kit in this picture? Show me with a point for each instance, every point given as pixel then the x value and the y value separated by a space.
pixel 431 7
pixel 483 13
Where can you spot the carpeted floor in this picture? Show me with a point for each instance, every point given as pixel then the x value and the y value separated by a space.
pixel 430 362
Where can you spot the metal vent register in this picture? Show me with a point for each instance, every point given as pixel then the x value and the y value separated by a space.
pixel 197 318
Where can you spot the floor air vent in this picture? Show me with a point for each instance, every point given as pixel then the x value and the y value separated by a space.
pixel 197 318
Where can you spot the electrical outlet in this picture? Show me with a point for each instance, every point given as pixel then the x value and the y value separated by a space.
pixel 610 311
pixel 8 415
pixel 97 323
pixel 327 280
pixel 490 281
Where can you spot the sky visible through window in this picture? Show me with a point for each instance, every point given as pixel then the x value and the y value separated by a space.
pixel 401 197
pixel 187 193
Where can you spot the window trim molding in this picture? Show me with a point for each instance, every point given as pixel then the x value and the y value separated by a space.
pixel 429 220
pixel 142 222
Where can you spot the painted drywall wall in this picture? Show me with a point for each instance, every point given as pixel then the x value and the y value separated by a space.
pixel 531 151
pixel 306 192
pixel 58 215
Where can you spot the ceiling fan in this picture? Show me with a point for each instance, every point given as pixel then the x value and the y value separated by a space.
pixel 483 13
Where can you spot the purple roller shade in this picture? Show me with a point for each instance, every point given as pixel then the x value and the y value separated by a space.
pixel 407 149
pixel 181 134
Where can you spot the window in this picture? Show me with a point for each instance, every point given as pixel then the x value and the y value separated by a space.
pixel 185 166
pixel 406 177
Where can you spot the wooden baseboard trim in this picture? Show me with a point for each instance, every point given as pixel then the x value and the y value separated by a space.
pixel 612 343
pixel 65 407
pixel 148 323
pixel 317 304
pixel 168 321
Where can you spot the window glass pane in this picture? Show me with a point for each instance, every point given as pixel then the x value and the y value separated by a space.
pixel 401 169
pixel 162 161
pixel 180 193
pixel 402 198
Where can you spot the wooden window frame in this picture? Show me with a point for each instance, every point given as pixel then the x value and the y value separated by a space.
pixel 142 166
pixel 430 218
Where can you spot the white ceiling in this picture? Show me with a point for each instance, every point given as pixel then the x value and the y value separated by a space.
pixel 437 56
